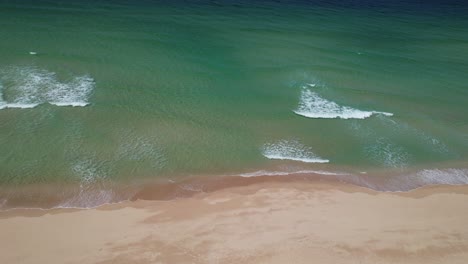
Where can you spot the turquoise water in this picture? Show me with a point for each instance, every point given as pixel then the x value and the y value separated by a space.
pixel 112 91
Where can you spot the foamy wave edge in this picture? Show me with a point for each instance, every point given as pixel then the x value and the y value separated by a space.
pixel 311 105
pixel 285 173
pixel 22 106
pixel 394 184
pixel 291 150
pixel 72 104
pixel 306 160
pixel 35 86
pixel 357 114
pixel 28 106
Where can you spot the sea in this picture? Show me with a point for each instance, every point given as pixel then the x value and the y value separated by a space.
pixel 99 99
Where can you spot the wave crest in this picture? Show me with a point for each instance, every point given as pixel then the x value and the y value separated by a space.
pixel 285 173
pixel 313 106
pixel 291 150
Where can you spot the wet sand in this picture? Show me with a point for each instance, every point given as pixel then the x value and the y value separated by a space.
pixel 264 222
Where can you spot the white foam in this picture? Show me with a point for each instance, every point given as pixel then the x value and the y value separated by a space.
pixel 31 86
pixel 291 150
pixel 285 173
pixel 313 106
pixel 73 104
pixel 307 160
pixel 32 53
pixel 74 93
pixel 16 105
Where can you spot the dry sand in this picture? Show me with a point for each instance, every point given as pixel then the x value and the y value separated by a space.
pixel 295 222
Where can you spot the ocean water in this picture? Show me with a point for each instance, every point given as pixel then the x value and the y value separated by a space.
pixel 95 94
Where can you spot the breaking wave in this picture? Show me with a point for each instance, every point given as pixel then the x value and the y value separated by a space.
pixel 313 106
pixel 285 173
pixel 291 150
pixel 28 87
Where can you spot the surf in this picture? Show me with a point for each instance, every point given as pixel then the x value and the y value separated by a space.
pixel 291 150
pixel 28 87
pixel 312 105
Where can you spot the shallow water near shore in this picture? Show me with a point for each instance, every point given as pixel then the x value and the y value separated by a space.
pixel 96 95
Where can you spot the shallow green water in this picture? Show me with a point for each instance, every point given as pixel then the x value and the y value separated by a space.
pixel 169 89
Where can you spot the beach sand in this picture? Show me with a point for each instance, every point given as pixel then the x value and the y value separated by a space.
pixel 267 222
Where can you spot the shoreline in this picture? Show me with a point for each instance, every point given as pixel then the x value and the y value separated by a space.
pixel 264 222
pixel 46 196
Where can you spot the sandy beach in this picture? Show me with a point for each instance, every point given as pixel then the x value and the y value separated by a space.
pixel 268 222
pixel 233 132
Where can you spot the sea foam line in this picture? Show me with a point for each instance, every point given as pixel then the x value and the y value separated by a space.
pixel 391 183
pixel 313 106
pixel 285 173
pixel 291 150
pixel 16 105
